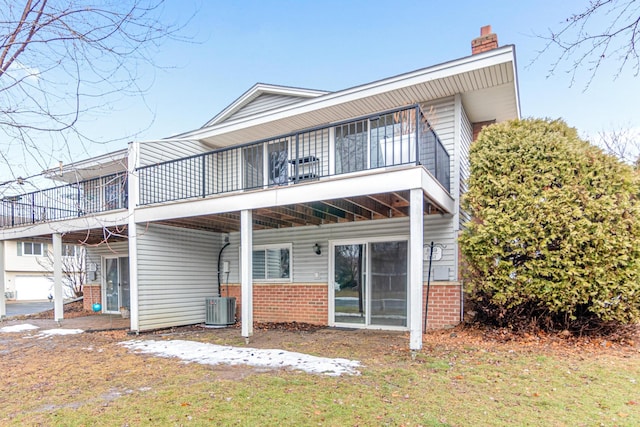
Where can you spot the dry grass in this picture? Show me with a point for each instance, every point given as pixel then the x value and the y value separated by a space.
pixel 460 378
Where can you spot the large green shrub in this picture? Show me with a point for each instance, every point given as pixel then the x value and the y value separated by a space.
pixel 555 235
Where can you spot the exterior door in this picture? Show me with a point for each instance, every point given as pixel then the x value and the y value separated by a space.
pixel 370 283
pixel 389 264
pixel 349 296
pixel 116 287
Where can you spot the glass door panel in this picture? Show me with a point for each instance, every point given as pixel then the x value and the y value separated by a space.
pixel 112 285
pixel 124 283
pixel 351 147
pixel 350 283
pixel 278 163
pixel 253 166
pixel 388 283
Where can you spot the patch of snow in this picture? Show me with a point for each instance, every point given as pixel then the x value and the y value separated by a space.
pixel 18 328
pixel 60 331
pixel 212 354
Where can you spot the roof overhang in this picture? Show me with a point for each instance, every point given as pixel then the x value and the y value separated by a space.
pixel 487 83
pixel 94 167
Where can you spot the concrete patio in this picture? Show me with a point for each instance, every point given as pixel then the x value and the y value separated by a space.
pixel 92 323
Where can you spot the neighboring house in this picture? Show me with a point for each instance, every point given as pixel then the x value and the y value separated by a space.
pixel 28 269
pixel 309 206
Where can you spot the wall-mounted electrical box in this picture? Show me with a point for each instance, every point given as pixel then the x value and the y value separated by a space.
pixel 225 266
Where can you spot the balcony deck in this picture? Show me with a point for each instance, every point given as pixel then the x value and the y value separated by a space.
pixel 379 142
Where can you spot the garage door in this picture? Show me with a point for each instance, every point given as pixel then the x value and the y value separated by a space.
pixel 33 287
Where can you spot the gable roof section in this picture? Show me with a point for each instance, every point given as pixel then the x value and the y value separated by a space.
pixel 487 83
pixel 260 98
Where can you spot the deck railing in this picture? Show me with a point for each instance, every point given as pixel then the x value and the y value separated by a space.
pixel 66 201
pixel 397 137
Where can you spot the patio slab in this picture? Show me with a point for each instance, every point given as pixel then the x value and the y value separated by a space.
pixel 99 322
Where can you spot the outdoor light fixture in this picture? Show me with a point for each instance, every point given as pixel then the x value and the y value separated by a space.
pixel 316 249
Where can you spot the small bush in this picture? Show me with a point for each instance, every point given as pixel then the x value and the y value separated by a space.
pixel 555 236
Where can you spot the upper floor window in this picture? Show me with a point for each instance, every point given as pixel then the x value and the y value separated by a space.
pixel 30 249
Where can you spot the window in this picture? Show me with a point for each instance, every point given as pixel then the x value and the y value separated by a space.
pixel 69 250
pixel 30 249
pixel 272 263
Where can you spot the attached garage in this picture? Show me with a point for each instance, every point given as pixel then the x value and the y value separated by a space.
pixel 33 287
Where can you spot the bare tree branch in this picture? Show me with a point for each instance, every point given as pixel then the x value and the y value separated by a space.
pixel 63 59
pixel 606 31
pixel 622 143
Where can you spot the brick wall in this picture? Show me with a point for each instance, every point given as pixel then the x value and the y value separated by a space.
pixel 444 305
pixel 309 303
pixel 285 302
pixel 478 126
pixel 92 294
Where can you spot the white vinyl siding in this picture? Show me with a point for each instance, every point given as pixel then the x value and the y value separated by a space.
pixel 162 151
pixel 308 267
pixel 264 103
pixel 177 270
pixel 94 256
pixel 466 137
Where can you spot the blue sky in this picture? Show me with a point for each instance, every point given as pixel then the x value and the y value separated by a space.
pixel 332 45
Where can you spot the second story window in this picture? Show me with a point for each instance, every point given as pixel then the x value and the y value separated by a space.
pixel 30 249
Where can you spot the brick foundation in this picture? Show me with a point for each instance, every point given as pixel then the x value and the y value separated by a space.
pixel 444 305
pixel 309 303
pixel 285 302
pixel 92 294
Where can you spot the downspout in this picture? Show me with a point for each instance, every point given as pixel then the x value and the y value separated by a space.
pixel 219 260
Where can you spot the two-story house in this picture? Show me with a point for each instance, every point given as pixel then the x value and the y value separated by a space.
pixel 308 206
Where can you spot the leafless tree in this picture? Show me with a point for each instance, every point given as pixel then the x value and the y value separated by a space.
pixel 606 30
pixel 61 59
pixel 73 263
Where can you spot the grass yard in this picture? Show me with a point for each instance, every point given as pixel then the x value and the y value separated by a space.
pixel 461 378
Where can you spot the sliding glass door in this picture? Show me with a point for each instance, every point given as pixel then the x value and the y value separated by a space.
pixel 350 283
pixel 370 283
pixel 116 287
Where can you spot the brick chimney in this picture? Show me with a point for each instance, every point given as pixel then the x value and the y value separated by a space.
pixel 486 41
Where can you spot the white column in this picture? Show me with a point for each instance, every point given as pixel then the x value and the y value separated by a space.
pixel 416 212
pixel 246 273
pixel 58 307
pixel 3 279
pixel 132 186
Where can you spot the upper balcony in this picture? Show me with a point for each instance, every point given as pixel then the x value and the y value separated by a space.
pixel 86 197
pixel 391 138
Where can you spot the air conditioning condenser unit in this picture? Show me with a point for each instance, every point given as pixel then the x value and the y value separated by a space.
pixel 220 311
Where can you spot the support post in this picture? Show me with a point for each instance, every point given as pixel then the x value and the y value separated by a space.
pixel 58 307
pixel 132 229
pixel 416 213
pixel 246 273
pixel 3 280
